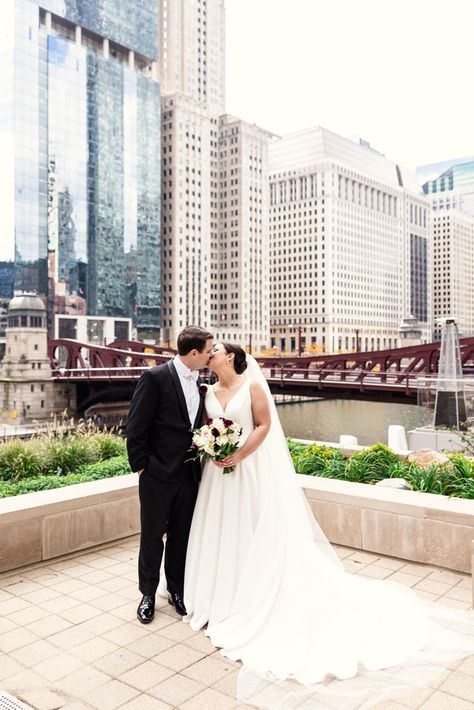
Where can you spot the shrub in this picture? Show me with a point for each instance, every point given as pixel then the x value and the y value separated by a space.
pixel 316 459
pixel 20 459
pixel 117 466
pixel 378 462
pixel 66 455
pixel 108 444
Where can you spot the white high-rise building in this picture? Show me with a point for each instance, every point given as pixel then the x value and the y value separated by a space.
pixel 453 270
pixel 349 245
pixel 192 50
pixel 240 272
pixel 189 212
pixel 214 186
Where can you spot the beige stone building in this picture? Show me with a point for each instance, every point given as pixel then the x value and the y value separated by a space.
pixel 214 220
pixel 192 50
pixel 189 213
pixel 349 246
pixel 240 263
pixel 27 389
pixel 453 270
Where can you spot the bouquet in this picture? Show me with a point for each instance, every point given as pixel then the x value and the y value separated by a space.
pixel 216 439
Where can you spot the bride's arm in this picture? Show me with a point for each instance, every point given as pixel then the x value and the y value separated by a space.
pixel 261 418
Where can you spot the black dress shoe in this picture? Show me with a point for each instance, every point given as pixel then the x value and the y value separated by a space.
pixel 176 600
pixel 146 609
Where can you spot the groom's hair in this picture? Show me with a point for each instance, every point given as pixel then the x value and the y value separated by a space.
pixel 193 337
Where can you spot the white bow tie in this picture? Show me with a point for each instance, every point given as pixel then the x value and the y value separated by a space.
pixel 191 375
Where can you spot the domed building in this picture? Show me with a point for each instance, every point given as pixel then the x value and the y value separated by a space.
pixel 27 389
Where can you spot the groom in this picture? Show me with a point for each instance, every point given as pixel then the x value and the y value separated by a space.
pixel 166 404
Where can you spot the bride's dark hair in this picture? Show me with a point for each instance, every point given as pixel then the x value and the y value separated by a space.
pixel 240 357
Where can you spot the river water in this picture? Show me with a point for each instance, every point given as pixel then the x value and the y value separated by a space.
pixel 326 419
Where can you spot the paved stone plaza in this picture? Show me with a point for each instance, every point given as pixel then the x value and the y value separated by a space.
pixel 69 638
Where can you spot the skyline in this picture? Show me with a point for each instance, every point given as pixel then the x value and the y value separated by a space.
pixel 406 92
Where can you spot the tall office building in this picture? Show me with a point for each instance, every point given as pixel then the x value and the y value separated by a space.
pixel 450 184
pixel 453 270
pixel 214 194
pixel 189 212
pixel 350 245
pixel 80 132
pixel 192 50
pixel 240 264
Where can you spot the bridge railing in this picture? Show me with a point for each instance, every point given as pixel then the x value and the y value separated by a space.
pixel 275 374
pixel 99 373
pixel 354 378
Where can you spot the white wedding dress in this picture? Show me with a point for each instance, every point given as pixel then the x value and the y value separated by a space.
pixel 263 577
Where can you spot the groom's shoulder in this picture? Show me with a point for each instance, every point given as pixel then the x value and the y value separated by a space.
pixel 158 371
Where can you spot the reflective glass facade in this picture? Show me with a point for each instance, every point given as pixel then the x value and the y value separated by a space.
pixel 453 188
pixel 458 177
pixel 85 177
pixel 130 23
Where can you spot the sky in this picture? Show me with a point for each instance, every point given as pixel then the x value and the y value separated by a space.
pixel 397 73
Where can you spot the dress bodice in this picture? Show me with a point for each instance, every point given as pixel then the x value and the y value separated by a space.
pixel 238 409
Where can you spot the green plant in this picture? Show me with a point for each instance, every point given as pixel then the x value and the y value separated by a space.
pixel 427 480
pixel 108 444
pixel 67 454
pixel 117 466
pixel 378 458
pixel 20 459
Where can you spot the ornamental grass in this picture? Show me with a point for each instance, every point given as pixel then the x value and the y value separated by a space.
pixel 63 449
pixel 69 453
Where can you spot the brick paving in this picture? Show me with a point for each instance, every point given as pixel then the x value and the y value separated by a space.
pixel 69 638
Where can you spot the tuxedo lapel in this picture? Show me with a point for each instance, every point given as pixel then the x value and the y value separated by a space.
pixel 179 392
pixel 197 421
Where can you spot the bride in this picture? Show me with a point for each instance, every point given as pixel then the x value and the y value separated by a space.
pixel 263 577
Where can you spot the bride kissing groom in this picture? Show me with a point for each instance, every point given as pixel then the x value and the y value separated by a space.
pixel 246 559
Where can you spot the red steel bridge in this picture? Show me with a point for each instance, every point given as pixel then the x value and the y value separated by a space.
pixel 107 374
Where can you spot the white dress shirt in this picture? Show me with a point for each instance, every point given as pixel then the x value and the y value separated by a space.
pixel 188 379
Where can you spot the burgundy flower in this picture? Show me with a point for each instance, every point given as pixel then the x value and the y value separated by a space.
pixel 215 432
pixel 208 421
pixel 228 422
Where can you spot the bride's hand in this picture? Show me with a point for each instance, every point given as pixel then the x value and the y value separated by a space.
pixel 231 460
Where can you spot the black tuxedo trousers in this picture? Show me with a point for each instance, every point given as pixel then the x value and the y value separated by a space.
pixel 158 441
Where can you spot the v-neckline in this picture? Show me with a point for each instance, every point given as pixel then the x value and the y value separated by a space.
pixel 224 409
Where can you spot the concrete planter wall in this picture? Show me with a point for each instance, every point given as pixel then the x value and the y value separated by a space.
pixel 39 526
pixel 420 527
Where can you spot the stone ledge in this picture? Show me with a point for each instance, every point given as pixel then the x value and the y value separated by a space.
pixel 46 524
pixel 420 527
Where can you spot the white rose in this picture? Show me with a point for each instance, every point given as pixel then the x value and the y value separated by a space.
pixel 219 425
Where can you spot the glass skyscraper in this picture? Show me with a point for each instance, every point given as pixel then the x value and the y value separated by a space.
pixel 80 136
pixel 450 184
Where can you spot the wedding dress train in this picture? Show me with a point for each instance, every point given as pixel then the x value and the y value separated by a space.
pixel 263 577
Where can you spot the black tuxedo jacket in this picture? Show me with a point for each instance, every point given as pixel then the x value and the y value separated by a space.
pixel 158 427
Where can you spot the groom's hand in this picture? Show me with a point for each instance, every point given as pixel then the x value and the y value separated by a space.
pixel 140 471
